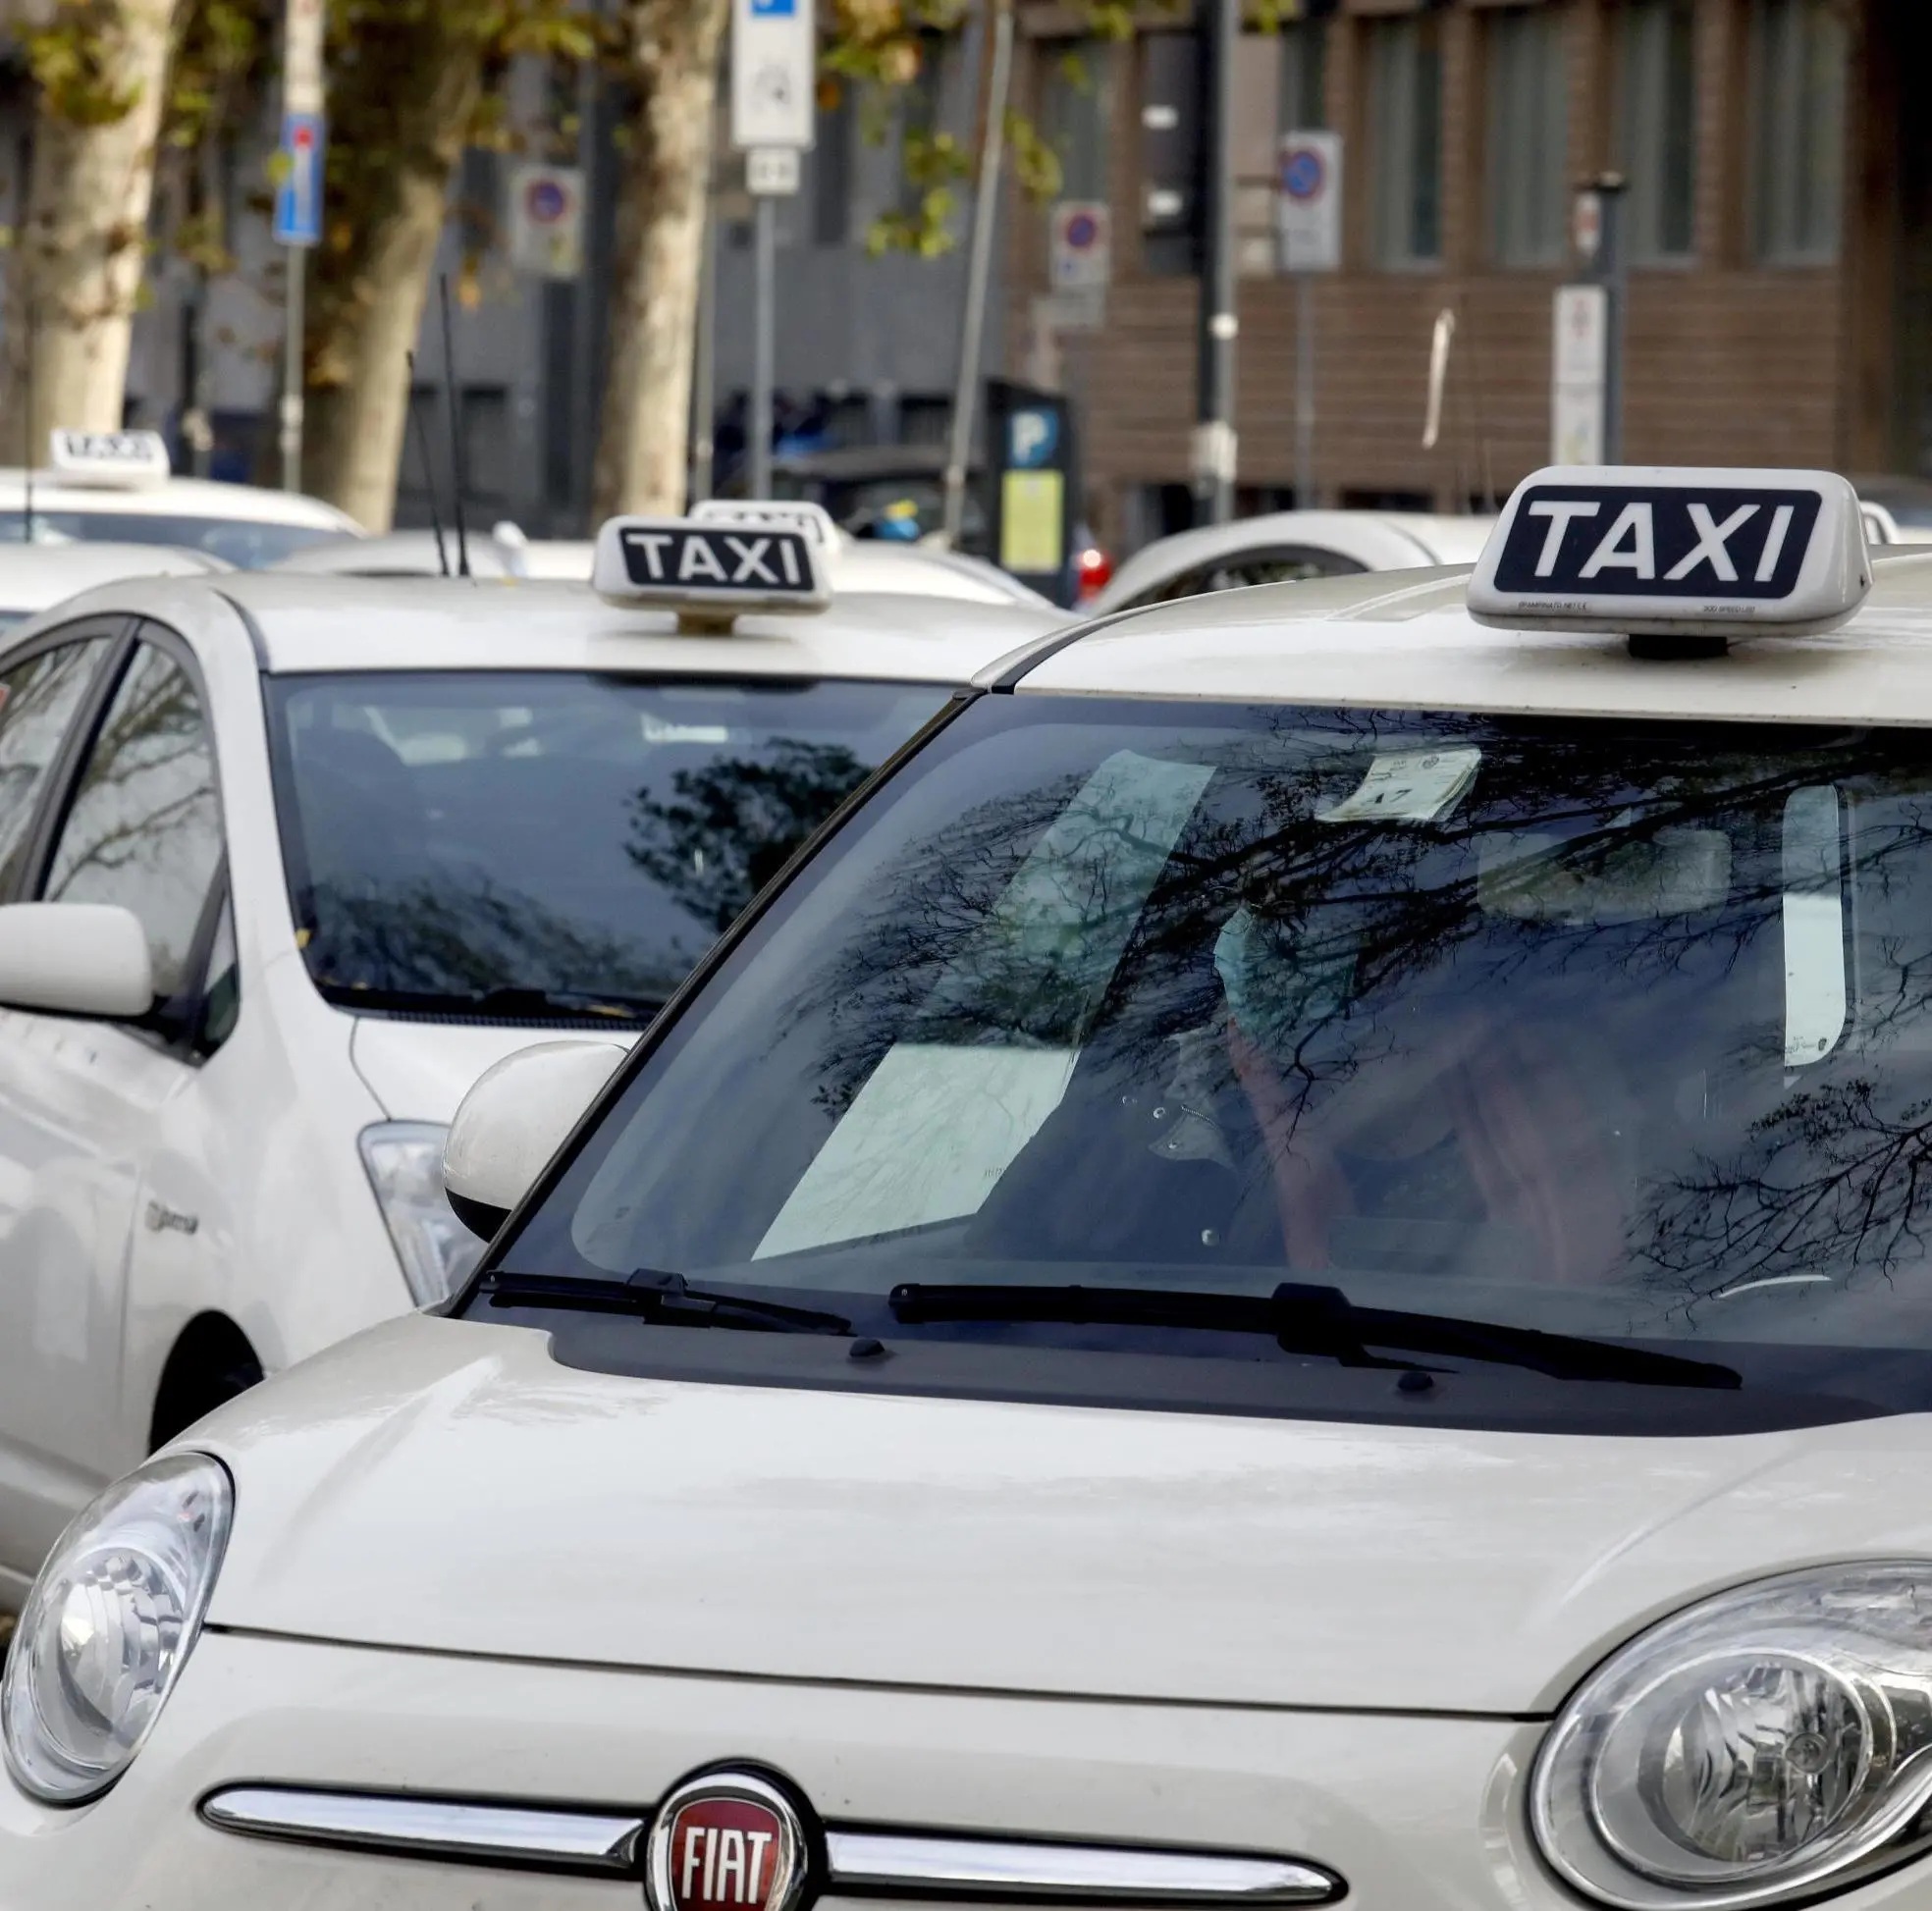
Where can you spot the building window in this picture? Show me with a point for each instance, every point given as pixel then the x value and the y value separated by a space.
pixel 1304 77
pixel 1798 52
pixel 1077 114
pixel 1529 131
pixel 1657 126
pixel 1405 110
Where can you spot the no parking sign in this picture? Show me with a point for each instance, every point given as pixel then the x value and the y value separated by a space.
pixel 1309 202
pixel 545 220
pixel 1083 246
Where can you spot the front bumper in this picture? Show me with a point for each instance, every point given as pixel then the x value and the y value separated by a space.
pixel 1414 1812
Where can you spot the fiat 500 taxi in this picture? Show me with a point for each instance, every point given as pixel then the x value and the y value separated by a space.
pixel 1291 1268
pixel 287 862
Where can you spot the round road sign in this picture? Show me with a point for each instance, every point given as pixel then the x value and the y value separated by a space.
pixel 1303 174
pixel 546 202
pixel 1081 232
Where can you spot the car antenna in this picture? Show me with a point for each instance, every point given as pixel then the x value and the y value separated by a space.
pixel 27 429
pixel 429 468
pixel 453 392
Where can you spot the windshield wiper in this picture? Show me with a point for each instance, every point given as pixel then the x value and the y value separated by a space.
pixel 663 1299
pixel 504 999
pixel 1315 1321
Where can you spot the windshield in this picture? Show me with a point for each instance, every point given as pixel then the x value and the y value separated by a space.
pixel 1604 1030
pixel 534 844
pixel 239 540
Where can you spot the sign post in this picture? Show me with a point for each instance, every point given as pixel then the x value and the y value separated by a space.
pixel 774 86
pixel 1587 370
pixel 1308 221
pixel 299 206
pixel 1579 360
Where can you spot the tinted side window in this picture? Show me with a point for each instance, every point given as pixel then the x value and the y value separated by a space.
pixel 1294 565
pixel 144 829
pixel 37 703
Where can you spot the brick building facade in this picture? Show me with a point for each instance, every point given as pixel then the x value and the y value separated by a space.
pixel 1780 204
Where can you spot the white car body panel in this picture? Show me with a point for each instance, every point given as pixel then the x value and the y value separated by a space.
pixel 1374 540
pixel 256 1147
pixel 37 576
pixel 1214 1778
pixel 993 1546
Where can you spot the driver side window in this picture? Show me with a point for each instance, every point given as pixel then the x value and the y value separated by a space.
pixel 144 826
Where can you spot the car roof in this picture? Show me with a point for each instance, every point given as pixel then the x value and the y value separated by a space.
pixel 422 623
pixel 1406 641
pixel 174 497
pixel 1375 540
pixel 853 564
pixel 34 576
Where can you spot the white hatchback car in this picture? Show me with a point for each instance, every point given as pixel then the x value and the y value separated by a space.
pixel 116 487
pixel 34 578
pixel 1286 548
pixel 1294 1266
pixel 286 862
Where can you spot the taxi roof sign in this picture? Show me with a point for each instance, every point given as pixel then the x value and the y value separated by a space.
pixel 779 513
pixel 1656 551
pixel 111 460
pixel 708 573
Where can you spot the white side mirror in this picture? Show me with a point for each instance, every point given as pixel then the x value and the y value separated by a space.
pixel 513 1119
pixel 75 958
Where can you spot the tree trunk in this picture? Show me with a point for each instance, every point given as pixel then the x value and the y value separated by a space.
pixel 102 67
pixel 402 94
pixel 643 450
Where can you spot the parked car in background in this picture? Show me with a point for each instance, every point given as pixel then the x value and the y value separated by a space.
pixel 1289 547
pixel 116 487
pixel 851 563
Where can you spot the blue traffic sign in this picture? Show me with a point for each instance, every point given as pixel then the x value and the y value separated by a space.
pixel 774 9
pixel 1033 435
pixel 298 198
pixel 1303 174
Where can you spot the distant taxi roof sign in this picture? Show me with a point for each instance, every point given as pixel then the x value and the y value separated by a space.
pixel 1650 550
pixel 779 513
pixel 708 573
pixel 109 458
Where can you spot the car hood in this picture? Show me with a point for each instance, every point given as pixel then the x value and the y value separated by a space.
pixel 445 1485
pixel 421 1070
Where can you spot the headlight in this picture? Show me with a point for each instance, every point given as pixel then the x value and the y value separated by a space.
pixel 405 1160
pixel 108 1625
pixel 1770 1743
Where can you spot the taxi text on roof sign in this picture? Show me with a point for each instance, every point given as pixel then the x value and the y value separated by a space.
pixel 707 572
pixel 109 457
pixel 1654 550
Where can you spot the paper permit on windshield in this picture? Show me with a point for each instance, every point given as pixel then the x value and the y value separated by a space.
pixel 1408 786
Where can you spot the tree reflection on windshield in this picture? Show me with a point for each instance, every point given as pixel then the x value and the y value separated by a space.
pixel 1593 1026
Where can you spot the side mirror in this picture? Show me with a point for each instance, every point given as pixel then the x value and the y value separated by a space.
pixel 513 1119
pixel 75 958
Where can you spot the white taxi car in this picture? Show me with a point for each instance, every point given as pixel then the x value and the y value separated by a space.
pixel 1292 1268
pixel 286 864
pixel 117 487
pixel 1287 547
pixel 35 577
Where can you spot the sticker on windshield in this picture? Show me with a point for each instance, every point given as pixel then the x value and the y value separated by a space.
pixel 1408 786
